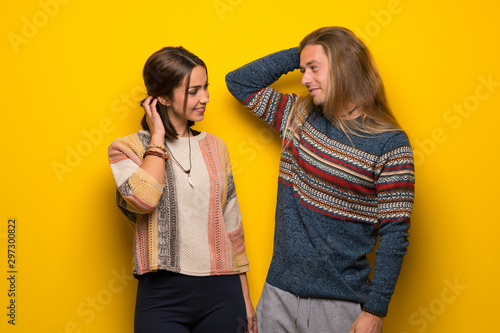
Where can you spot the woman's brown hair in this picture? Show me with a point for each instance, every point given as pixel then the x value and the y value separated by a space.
pixel 164 71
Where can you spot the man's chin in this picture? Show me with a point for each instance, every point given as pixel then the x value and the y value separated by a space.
pixel 317 103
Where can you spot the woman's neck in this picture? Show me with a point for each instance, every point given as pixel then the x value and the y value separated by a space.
pixel 181 129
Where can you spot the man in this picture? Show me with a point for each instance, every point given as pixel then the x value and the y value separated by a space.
pixel 346 178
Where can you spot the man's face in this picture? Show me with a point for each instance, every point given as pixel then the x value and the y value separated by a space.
pixel 314 65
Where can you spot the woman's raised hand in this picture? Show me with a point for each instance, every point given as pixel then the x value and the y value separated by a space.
pixel 153 165
pixel 153 118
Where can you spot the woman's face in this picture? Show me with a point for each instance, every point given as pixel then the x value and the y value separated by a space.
pixel 197 99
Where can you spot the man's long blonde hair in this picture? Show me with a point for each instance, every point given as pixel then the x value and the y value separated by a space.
pixel 352 79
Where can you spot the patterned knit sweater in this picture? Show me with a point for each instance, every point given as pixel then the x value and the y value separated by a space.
pixel 336 195
pixel 189 230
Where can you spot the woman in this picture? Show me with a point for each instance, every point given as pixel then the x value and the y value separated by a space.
pixel 346 178
pixel 176 185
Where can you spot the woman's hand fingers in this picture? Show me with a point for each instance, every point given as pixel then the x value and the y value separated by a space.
pixel 153 118
pixel 148 103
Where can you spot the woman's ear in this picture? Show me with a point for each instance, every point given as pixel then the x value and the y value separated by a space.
pixel 164 100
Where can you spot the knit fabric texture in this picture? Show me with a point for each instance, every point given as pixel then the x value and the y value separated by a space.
pixel 336 195
pixel 193 230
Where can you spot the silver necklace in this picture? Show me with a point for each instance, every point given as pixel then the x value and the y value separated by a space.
pixel 186 171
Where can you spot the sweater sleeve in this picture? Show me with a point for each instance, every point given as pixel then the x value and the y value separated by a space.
pixel 138 192
pixel 250 85
pixel 395 192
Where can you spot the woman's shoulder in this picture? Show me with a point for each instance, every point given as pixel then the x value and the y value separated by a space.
pixel 139 134
pixel 134 141
pixel 215 141
pixel 212 137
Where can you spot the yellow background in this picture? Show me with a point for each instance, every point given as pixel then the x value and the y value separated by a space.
pixel 71 82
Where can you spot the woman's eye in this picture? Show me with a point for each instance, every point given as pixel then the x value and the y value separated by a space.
pixel 193 92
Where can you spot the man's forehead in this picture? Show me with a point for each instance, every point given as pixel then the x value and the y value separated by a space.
pixel 312 54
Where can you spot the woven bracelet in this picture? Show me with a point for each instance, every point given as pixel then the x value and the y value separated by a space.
pixel 154 153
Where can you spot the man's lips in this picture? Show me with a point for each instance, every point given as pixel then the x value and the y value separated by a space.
pixel 312 91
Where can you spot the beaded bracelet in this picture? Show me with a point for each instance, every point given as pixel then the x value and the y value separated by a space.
pixel 157 146
pixel 155 153
pixel 373 313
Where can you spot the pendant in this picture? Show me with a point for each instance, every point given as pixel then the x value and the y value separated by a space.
pixel 189 180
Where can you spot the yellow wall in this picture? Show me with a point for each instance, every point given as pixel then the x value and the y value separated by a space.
pixel 71 82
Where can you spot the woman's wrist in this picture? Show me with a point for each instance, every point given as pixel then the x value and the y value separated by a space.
pixel 157 139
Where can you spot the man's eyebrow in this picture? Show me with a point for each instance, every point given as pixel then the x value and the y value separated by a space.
pixel 310 63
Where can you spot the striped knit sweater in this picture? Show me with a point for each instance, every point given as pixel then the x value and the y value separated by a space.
pixel 336 195
pixel 189 230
